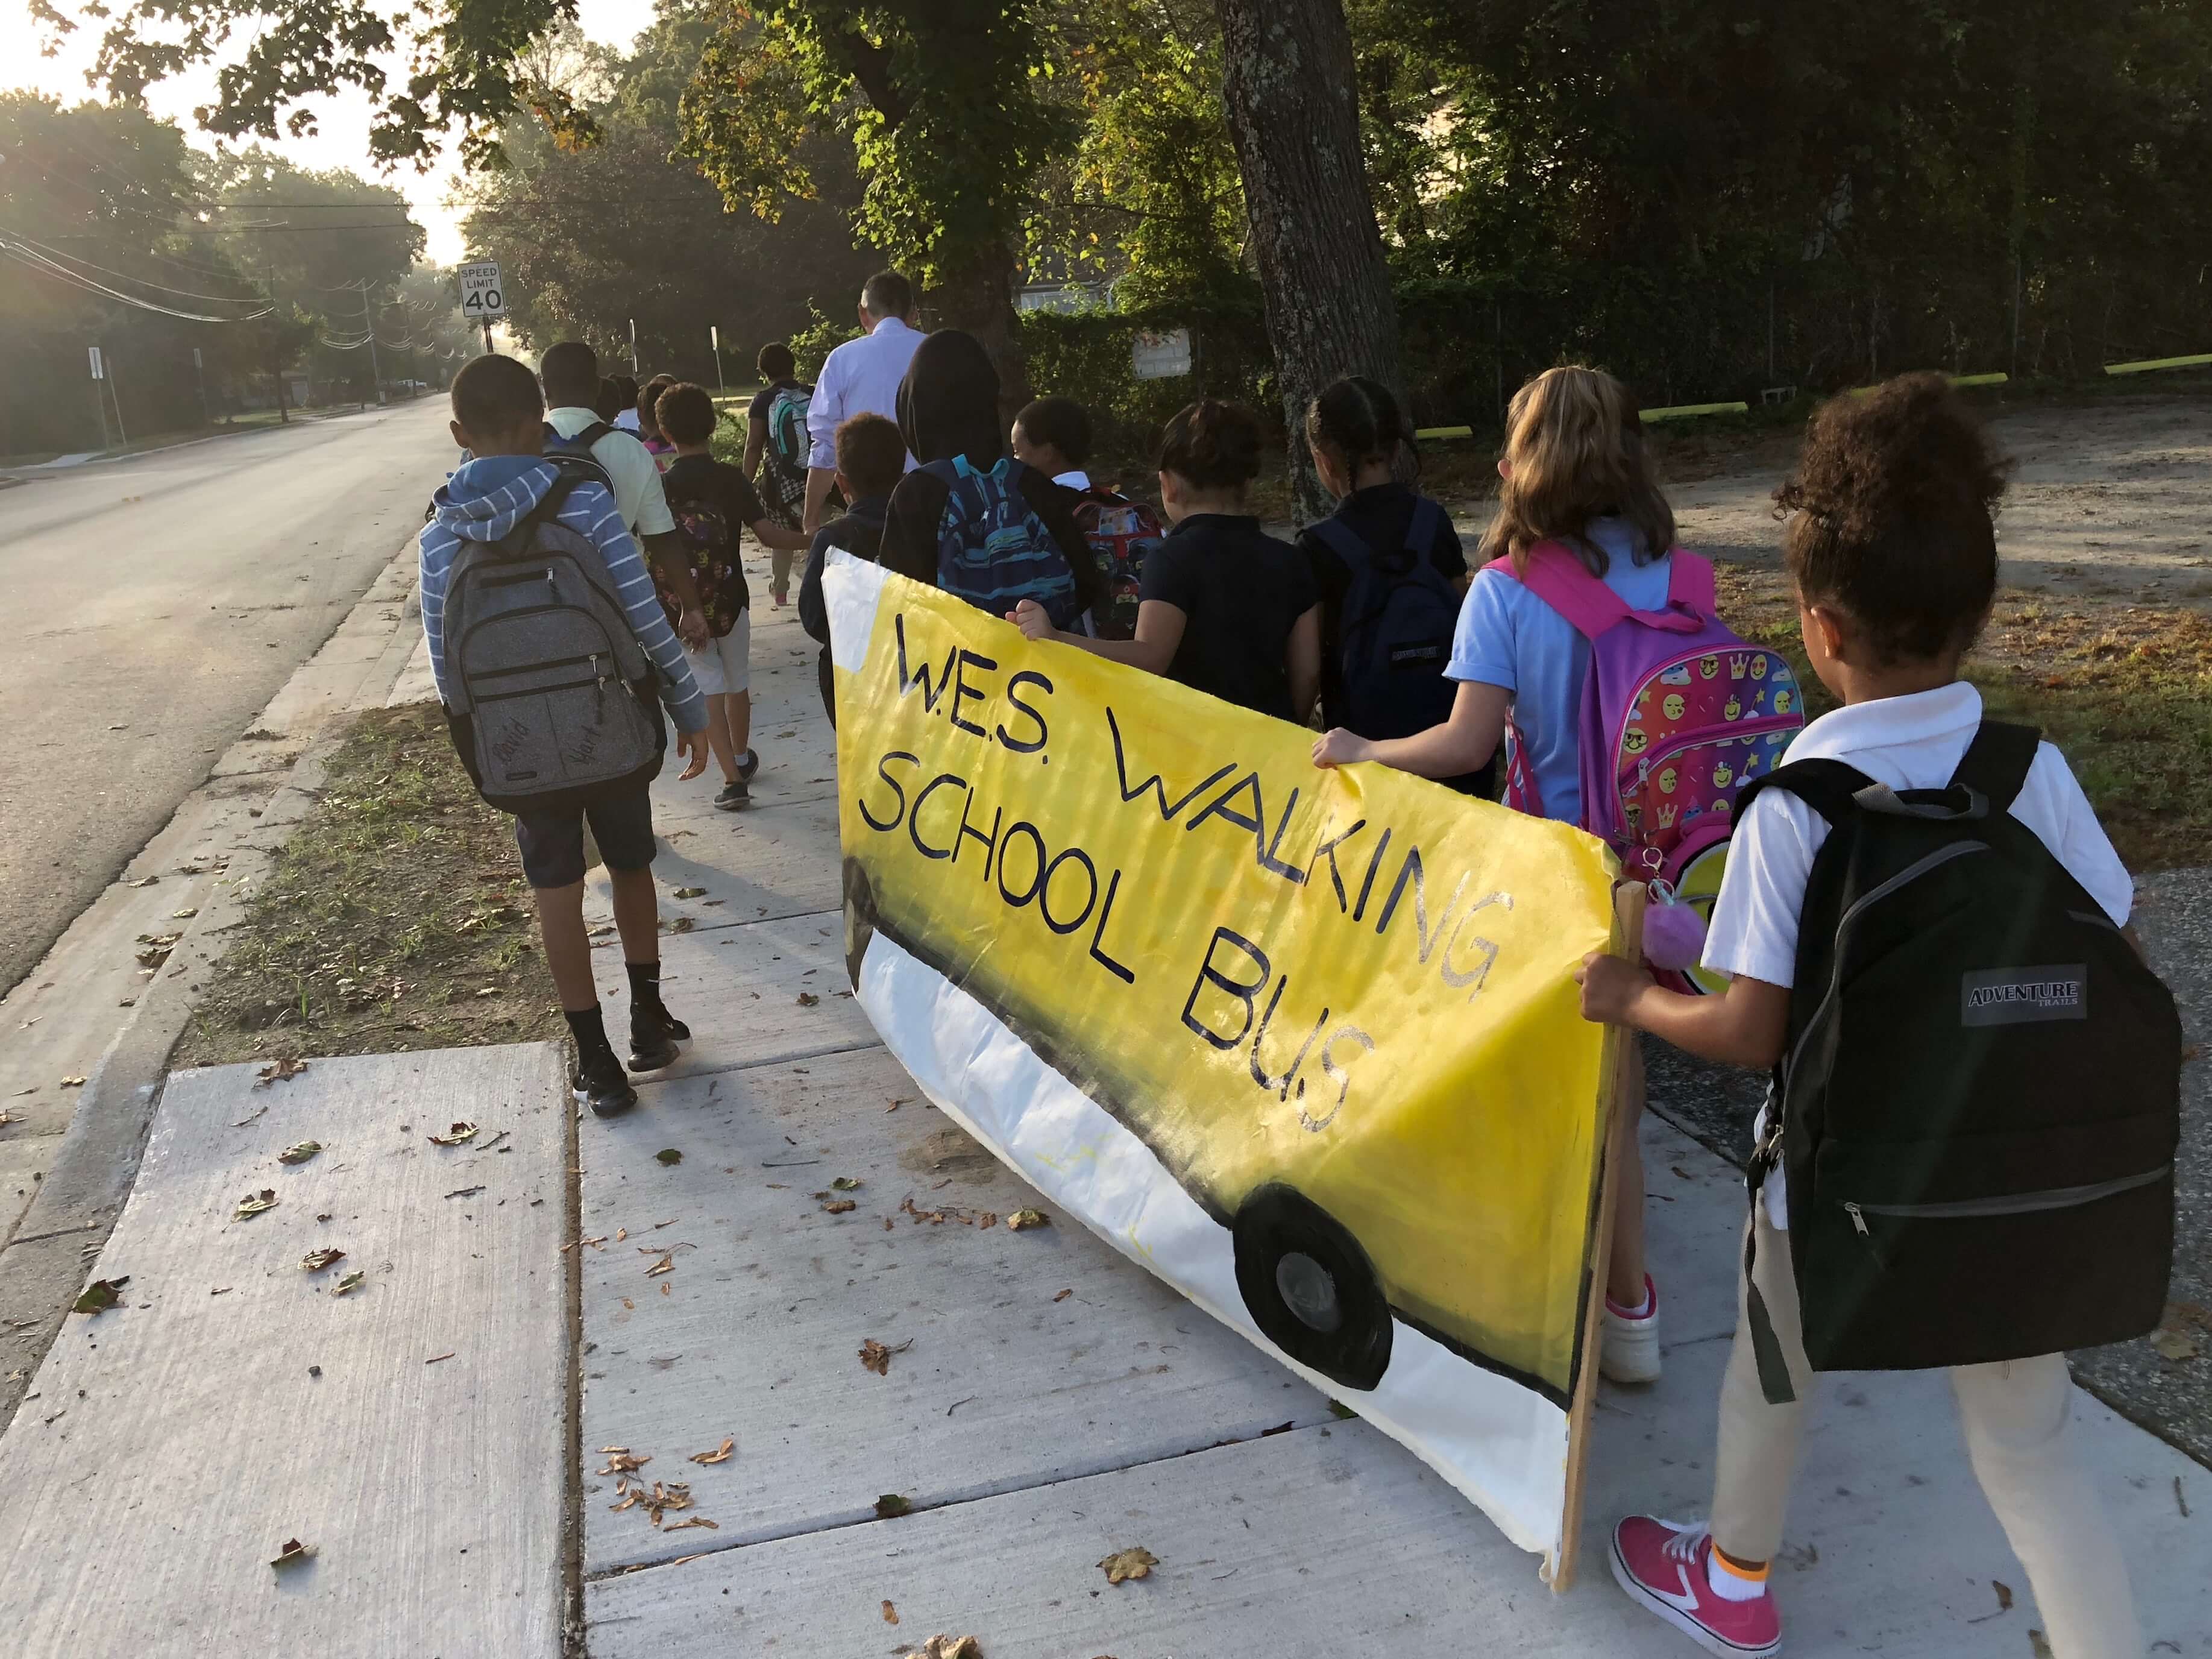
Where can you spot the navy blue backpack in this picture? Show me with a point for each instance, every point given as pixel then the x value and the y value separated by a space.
pixel 1396 634
pixel 993 550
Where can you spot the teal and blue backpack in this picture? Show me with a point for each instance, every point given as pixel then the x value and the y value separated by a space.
pixel 993 550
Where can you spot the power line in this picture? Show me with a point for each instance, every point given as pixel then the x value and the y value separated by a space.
pixel 39 262
pixel 143 282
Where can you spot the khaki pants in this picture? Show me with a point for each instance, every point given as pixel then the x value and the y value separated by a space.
pixel 779 570
pixel 2016 1417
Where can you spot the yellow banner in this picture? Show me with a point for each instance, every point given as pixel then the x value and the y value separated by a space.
pixel 1336 1007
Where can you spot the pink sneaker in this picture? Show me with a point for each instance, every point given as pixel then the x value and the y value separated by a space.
pixel 1663 1565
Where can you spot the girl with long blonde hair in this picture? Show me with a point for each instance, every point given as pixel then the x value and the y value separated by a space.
pixel 1576 472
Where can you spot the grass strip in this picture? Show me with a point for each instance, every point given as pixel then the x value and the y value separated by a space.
pixel 395 918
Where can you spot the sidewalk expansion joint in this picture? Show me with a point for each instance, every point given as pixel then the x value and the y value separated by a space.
pixel 55 1232
pixel 1324 1421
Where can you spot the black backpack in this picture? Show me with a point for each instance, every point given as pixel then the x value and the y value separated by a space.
pixel 1396 632
pixel 1977 1112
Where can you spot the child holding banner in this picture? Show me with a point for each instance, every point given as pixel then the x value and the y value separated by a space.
pixel 1893 557
pixel 1574 470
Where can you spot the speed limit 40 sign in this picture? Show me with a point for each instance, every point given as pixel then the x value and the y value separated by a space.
pixel 482 296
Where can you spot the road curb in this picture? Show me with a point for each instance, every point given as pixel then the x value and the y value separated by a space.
pixel 97 1162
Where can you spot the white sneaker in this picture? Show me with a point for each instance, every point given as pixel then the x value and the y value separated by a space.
pixel 1628 1350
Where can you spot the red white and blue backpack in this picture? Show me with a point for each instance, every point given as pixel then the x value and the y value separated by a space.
pixel 1678 715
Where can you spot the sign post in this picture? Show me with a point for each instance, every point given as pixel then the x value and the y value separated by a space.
pixel 715 339
pixel 99 401
pixel 484 298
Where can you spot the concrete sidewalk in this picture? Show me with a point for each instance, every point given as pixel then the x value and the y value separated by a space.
pixel 1045 1401
pixel 1057 1404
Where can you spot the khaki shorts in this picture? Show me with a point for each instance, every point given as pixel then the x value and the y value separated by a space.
pixel 725 668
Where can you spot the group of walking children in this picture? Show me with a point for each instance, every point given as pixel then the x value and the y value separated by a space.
pixel 1907 914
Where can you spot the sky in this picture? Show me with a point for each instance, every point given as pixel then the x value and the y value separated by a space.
pixel 342 139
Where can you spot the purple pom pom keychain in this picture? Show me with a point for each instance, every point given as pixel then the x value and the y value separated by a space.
pixel 1674 933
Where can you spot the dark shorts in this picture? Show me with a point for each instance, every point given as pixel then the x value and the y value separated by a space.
pixel 552 841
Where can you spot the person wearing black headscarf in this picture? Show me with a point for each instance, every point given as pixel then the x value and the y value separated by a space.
pixel 948 412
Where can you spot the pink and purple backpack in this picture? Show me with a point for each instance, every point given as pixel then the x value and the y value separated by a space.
pixel 1678 715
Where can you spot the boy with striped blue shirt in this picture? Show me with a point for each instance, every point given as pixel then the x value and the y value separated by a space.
pixel 499 419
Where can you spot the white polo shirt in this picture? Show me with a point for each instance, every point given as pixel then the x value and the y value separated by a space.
pixel 860 377
pixel 1907 743
pixel 638 494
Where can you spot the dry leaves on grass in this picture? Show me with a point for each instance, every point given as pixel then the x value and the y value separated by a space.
pixel 281 1070
pixel 315 1261
pixel 719 1455
pixel 459 1134
pixel 875 1357
pixel 300 1152
pixel 254 1203
pixel 100 1296
pixel 1124 1565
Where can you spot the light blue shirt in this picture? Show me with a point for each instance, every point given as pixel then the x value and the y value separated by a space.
pixel 861 377
pixel 1509 637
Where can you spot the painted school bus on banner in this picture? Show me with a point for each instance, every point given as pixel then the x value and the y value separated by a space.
pixel 1335 1009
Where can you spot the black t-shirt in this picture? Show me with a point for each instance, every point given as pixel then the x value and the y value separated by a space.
pixel 702 480
pixel 1381 515
pixel 1240 592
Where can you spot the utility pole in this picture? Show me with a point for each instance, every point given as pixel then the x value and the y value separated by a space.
pixel 375 375
pixel 199 376
pixel 122 437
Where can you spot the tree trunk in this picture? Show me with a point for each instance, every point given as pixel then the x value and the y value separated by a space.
pixel 977 295
pixel 1294 115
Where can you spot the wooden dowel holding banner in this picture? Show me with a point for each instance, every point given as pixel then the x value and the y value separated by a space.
pixel 1619 1150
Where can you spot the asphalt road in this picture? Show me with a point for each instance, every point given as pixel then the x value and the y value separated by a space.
pixel 152 607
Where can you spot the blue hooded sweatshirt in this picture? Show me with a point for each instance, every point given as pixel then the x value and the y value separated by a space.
pixel 487 497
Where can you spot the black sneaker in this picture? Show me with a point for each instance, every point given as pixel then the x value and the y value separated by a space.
pixel 748 765
pixel 599 1083
pixel 733 796
pixel 654 1039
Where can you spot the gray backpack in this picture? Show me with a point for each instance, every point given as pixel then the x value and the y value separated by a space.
pixel 545 671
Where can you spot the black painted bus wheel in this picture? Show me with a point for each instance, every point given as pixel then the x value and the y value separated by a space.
pixel 1311 1288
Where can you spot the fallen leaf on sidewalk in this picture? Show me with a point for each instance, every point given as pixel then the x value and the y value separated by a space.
pixel 72 1083
pixel 808 999
pixel 952 1647
pixel 2004 1594
pixel 2174 1345
pixel 1065 1294
pixel 281 1070
pixel 669 1155
pixel 291 1553
pixel 100 1296
pixel 1021 1220
pixel 695 1520
pixel 890 1613
pixel 315 1261
pixel 594 1243
pixel 350 1282
pixel 185 916
pixel 846 1184
pixel 891 1505
pixel 619 1461
pixel 1129 1564
pixel 691 892
pixel 682 925
pixel 876 1357
pixel 2038 1645
pixel 620 1233
pixel 840 1206
pixel 142 881
pixel 254 1203
pixel 665 1265
pixel 456 1135
pixel 719 1455
pixel 300 1152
